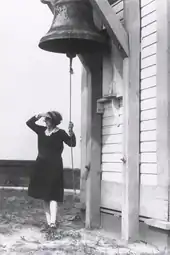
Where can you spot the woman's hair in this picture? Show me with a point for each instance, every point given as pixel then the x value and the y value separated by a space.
pixel 55 117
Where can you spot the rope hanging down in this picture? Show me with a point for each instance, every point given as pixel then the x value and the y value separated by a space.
pixel 70 119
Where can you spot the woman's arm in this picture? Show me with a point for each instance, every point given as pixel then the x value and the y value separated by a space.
pixel 70 140
pixel 31 123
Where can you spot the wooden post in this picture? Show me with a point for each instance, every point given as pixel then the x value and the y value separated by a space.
pixel 163 95
pixel 83 136
pixel 93 140
pixel 86 78
pixel 130 202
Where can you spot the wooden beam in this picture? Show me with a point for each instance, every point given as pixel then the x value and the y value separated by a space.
pixel 163 95
pixel 130 202
pixel 93 140
pixel 112 24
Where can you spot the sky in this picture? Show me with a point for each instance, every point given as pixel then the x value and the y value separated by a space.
pixel 32 80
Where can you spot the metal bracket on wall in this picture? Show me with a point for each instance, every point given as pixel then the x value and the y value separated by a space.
pixel 107 99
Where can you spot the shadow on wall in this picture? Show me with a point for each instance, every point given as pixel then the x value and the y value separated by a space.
pixel 16 173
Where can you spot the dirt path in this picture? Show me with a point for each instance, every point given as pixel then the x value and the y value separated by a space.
pixel 22 219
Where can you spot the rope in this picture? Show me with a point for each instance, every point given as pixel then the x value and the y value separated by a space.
pixel 70 119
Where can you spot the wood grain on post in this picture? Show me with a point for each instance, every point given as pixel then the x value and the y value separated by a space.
pixel 93 139
pixel 130 202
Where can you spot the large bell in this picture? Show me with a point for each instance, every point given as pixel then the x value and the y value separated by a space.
pixel 73 29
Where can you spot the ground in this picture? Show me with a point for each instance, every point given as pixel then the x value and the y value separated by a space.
pixel 22 220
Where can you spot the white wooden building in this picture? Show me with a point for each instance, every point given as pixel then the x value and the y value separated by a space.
pixel 126 122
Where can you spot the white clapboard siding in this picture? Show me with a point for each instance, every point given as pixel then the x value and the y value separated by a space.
pixel 146 2
pixel 148 122
pixel 148 168
pixel 149 40
pixel 111 167
pixel 109 121
pixel 148 104
pixel 148 125
pixel 148 93
pixel 112 130
pixel 151 198
pixel 148 82
pixel 146 179
pixel 109 105
pixel 149 29
pixel 112 177
pixel 149 179
pixel 111 148
pixel 148 146
pixel 148 136
pixel 118 8
pixel 112 139
pixel 148 114
pixel 148 71
pixel 112 158
pixel 111 195
pixel 149 51
pixel 147 20
pixel 149 61
pixel 110 111
pixel 148 157
pixel 148 8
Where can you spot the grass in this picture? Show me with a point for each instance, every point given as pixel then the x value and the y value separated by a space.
pixel 22 220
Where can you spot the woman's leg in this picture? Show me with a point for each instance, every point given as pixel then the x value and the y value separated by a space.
pixel 47 212
pixel 53 211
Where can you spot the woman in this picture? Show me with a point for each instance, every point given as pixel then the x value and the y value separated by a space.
pixel 46 180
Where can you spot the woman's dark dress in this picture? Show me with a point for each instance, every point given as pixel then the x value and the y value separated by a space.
pixel 46 179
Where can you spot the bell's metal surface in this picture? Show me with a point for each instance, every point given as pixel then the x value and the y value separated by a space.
pixel 73 29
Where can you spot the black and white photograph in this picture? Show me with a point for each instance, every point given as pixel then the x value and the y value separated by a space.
pixel 84 127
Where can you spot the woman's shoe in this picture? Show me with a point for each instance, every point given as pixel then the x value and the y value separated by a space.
pixel 53 226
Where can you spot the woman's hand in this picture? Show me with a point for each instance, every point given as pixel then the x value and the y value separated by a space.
pixel 70 128
pixel 40 115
